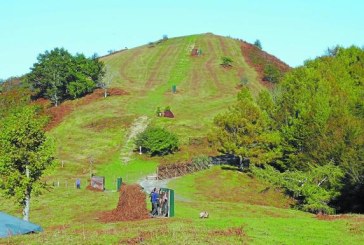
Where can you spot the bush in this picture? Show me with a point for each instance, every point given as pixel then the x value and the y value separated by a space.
pixel 157 141
pixel 272 73
pixel 314 190
pixel 258 44
pixel 226 61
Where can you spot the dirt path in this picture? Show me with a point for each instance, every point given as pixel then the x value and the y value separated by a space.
pixel 150 184
pixel 138 126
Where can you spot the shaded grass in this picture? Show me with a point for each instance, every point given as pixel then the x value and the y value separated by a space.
pixel 226 184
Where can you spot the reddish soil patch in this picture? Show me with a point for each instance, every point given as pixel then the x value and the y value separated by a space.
pixel 222 44
pixel 132 206
pixel 90 188
pixel 336 217
pixel 58 227
pixel 238 231
pixel 229 232
pixel 258 59
pixel 57 114
pixel 140 239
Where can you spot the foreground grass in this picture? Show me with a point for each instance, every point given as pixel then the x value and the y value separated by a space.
pixel 130 172
pixel 71 216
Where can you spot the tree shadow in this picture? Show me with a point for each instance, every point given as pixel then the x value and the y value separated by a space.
pixel 229 168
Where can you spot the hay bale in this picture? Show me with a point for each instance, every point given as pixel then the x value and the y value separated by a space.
pixel 131 206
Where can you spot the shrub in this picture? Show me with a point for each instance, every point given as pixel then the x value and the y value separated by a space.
pixel 226 61
pixel 157 141
pixel 244 80
pixel 258 44
pixel 272 73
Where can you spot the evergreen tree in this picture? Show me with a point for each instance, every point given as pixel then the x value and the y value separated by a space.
pixel 245 131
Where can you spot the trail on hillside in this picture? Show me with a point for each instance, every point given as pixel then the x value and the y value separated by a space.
pixel 138 126
pixel 149 184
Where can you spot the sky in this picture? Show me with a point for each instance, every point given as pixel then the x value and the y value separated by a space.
pixel 292 30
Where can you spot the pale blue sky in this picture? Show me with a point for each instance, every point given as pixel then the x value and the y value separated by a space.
pixel 292 30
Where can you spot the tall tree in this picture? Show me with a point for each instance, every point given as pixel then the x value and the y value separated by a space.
pixel 106 80
pixel 58 75
pixel 25 153
pixel 258 44
pixel 246 131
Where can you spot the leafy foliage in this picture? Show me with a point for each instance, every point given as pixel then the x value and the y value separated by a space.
pixel 258 44
pixel 157 141
pixel 314 188
pixel 58 75
pixel 226 61
pixel 316 117
pixel 13 99
pixel 272 73
pixel 245 130
pixel 23 146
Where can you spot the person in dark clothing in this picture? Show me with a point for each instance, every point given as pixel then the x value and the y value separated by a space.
pixel 78 184
pixel 154 199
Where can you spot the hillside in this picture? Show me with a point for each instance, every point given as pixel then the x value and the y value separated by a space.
pixel 147 73
pixel 94 135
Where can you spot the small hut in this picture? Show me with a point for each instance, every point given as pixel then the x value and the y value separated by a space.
pixel 168 113
pixel 194 52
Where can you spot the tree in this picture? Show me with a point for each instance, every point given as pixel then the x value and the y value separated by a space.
pixel 105 82
pixel 25 153
pixel 157 141
pixel 313 189
pixel 59 76
pixel 245 131
pixel 272 73
pixel 258 44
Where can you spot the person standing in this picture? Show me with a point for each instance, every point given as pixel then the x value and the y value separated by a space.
pixel 154 200
pixel 78 184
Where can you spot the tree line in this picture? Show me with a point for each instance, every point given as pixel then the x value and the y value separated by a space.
pixel 307 135
pixel 26 152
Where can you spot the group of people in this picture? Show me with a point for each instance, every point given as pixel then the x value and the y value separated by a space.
pixel 159 200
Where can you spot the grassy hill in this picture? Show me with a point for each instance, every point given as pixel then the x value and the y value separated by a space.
pixel 147 73
pixel 95 138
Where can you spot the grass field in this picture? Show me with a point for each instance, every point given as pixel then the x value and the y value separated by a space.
pixel 90 140
pixel 247 212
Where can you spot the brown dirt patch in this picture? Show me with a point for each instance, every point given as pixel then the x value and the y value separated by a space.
pixel 140 239
pixel 223 45
pixel 258 59
pixel 90 188
pixel 57 114
pixel 58 227
pixel 234 231
pixel 105 123
pixel 337 217
pixel 132 206
pixel 238 231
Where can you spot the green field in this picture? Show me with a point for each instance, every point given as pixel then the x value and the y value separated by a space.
pixel 243 210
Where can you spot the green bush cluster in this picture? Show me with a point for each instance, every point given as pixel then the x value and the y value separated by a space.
pixel 157 141
pixel 315 118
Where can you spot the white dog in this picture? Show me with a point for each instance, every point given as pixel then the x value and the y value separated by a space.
pixel 204 214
